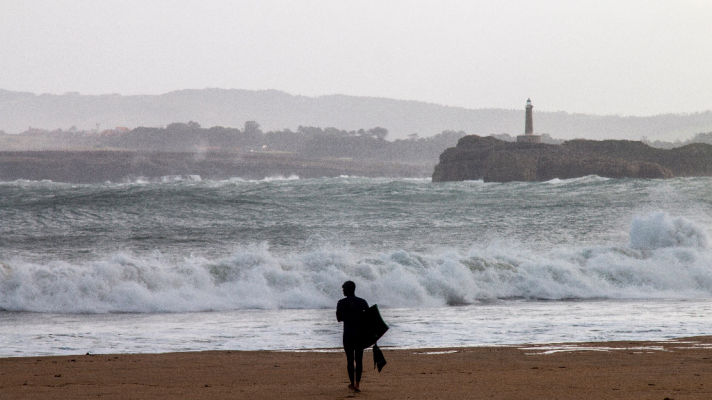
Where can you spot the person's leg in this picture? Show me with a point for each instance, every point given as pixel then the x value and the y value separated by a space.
pixel 350 364
pixel 358 358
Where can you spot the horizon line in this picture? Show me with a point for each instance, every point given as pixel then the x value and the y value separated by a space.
pixel 76 93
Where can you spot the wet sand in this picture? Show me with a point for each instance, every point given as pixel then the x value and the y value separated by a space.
pixel 679 369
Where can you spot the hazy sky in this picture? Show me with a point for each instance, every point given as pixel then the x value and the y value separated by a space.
pixel 604 57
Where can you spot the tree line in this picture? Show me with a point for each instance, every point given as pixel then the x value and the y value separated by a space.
pixel 306 141
pixel 698 138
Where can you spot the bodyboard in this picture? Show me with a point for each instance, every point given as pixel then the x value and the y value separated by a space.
pixel 372 327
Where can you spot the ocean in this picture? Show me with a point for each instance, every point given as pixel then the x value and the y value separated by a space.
pixel 184 264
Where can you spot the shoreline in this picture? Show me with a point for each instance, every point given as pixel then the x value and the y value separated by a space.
pixel 99 166
pixel 674 369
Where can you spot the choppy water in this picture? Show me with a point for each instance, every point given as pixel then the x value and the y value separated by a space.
pixel 196 265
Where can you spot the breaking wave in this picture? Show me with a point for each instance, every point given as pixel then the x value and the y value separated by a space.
pixel 667 257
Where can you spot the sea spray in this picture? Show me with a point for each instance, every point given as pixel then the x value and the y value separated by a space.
pixel 128 267
pixel 660 230
pixel 667 258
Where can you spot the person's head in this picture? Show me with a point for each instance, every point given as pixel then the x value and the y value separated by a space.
pixel 349 288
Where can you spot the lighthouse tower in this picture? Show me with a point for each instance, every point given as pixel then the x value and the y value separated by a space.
pixel 529 122
pixel 529 136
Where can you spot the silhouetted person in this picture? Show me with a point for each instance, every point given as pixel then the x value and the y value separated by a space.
pixel 350 310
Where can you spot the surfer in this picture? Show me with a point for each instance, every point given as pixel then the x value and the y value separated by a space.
pixel 349 310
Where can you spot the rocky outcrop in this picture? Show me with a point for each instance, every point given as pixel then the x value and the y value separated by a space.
pixel 493 160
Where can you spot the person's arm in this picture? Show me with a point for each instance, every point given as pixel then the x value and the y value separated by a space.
pixel 339 312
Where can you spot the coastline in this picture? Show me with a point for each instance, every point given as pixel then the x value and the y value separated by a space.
pixel 675 369
pixel 99 166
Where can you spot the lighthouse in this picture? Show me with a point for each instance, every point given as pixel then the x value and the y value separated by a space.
pixel 529 121
pixel 529 136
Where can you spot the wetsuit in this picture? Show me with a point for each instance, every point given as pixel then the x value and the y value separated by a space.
pixel 349 310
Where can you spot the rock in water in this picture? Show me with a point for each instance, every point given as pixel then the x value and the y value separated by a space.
pixel 494 160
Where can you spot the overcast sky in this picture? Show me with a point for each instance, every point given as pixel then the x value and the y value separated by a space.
pixel 602 57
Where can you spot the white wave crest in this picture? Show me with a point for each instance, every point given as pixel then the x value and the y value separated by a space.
pixel 660 230
pixel 180 178
pixel 668 258
pixel 267 179
pixel 281 178
pixel 583 179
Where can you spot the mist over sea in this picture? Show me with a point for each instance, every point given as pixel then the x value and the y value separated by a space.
pixel 187 264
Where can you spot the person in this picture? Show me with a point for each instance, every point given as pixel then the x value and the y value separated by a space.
pixel 349 310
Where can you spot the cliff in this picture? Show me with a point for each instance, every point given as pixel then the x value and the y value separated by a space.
pixel 493 160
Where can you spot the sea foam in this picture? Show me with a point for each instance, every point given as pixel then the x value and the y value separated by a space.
pixel 667 257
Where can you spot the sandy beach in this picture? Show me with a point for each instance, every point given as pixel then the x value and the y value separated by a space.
pixel 678 369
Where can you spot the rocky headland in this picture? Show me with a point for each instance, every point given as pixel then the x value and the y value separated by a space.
pixel 493 160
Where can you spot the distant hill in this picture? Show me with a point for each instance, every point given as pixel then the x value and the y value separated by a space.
pixel 275 110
